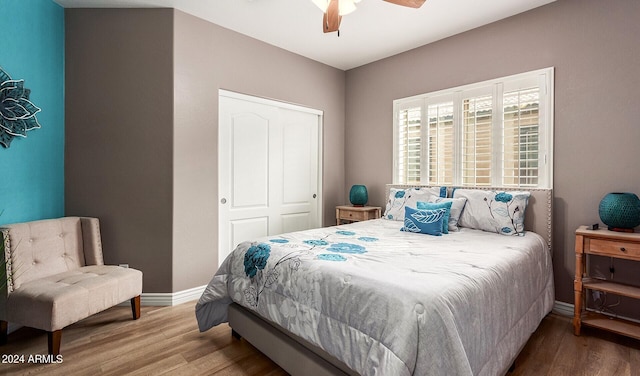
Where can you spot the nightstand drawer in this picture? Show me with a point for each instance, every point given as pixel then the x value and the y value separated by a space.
pixel 356 213
pixel 614 248
pixel 353 215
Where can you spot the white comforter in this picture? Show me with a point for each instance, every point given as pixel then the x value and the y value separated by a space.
pixel 387 302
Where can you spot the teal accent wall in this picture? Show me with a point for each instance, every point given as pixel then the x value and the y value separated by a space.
pixel 32 169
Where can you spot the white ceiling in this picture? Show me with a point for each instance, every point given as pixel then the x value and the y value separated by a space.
pixel 376 30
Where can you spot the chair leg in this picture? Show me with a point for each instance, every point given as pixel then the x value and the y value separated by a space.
pixel 135 307
pixel 53 342
pixel 4 328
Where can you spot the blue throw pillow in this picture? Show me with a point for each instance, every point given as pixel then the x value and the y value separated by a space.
pixel 424 221
pixel 438 205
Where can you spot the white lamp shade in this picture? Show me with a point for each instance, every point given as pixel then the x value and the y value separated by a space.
pixel 322 4
pixel 344 6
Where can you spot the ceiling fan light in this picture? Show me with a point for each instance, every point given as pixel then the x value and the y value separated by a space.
pixel 346 7
pixel 322 4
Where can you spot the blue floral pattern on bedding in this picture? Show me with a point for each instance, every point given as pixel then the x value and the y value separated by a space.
pixel 331 257
pixel 346 248
pixel 256 259
pixel 315 242
pixel 264 271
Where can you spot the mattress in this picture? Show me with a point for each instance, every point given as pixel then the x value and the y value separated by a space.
pixel 388 302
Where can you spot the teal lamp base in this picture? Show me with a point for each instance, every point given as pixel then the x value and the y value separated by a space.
pixel 358 195
pixel 620 211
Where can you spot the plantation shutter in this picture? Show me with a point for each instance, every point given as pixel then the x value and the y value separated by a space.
pixel 477 139
pixel 440 146
pixel 494 133
pixel 521 122
pixel 409 144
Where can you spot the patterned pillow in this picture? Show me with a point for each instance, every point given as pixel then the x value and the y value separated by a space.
pixel 399 198
pixel 424 221
pixel 457 206
pixel 494 211
pixel 438 205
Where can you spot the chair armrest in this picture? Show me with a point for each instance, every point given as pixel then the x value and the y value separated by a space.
pixel 91 241
pixel 6 269
pixel 6 282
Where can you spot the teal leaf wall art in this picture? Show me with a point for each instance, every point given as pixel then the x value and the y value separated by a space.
pixel 17 112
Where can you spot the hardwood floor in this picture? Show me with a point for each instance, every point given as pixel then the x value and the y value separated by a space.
pixel 166 340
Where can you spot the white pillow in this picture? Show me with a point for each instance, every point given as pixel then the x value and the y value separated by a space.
pixel 457 206
pixel 495 211
pixel 399 198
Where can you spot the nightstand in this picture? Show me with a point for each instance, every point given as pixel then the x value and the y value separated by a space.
pixel 356 213
pixel 609 244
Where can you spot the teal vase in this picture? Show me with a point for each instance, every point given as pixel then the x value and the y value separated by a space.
pixel 620 211
pixel 358 195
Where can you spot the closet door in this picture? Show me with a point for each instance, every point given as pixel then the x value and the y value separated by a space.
pixel 269 165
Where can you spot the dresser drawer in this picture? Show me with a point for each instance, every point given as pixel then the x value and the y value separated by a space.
pixel 615 248
pixel 353 215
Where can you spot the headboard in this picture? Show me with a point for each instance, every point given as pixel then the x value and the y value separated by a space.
pixel 537 216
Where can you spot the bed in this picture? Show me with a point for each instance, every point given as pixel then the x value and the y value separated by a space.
pixel 367 298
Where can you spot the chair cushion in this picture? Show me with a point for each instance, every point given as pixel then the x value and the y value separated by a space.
pixel 44 248
pixel 56 301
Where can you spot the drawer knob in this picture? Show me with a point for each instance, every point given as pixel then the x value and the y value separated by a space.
pixel 623 249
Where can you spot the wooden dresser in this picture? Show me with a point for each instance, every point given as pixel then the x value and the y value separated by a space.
pixel 606 243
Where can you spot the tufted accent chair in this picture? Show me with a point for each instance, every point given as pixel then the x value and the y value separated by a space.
pixel 55 276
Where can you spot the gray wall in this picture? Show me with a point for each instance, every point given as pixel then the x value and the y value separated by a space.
pixel 207 58
pixel 593 46
pixel 118 138
pixel 142 114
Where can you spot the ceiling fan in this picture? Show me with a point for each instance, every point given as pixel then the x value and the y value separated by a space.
pixel 335 9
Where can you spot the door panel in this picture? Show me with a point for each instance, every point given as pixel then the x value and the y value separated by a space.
pixel 269 161
pixel 244 229
pixel 295 222
pixel 296 179
pixel 250 148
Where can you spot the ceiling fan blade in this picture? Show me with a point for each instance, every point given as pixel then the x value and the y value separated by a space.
pixel 331 19
pixel 407 3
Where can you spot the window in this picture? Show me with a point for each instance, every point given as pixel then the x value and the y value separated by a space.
pixel 495 133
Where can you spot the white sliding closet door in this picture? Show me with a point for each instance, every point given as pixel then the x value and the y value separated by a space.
pixel 269 168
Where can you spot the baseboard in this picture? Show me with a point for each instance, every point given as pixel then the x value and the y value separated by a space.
pixel 13 327
pixel 562 308
pixel 566 309
pixel 169 298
